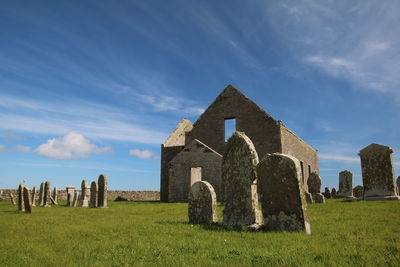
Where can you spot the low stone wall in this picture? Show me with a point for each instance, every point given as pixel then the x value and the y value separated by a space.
pixel 111 195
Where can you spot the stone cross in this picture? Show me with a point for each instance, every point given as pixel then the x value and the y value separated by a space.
pixel 239 182
pixel 70 195
pixel 55 195
pixel 12 198
pixel 85 193
pixel 314 187
pixel 41 195
pixel 102 192
pixel 283 202
pixel 93 195
pixel 202 203
pixel 378 173
pixel 21 205
pixel 345 185
pixel 27 200
pixel 46 196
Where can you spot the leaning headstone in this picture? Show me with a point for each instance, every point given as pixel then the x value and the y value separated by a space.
pixel 239 180
pixel 12 199
pixel 345 185
pixel 319 198
pixel 327 193
pixel 102 192
pixel 34 193
pixel 55 195
pixel 53 201
pixel 70 195
pixel 309 198
pixel 358 191
pixel 202 203
pixel 21 205
pixel 283 202
pixel 41 195
pixel 46 196
pixel 93 195
pixel 378 173
pixel 76 199
pixel 27 200
pixel 333 192
pixel 85 193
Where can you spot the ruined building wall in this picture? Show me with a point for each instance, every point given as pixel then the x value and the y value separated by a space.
pixel 294 146
pixel 260 127
pixel 195 155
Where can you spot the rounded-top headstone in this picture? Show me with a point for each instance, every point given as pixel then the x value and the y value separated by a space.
pixel 283 201
pixel 314 183
pixel 102 193
pixel 239 181
pixel 93 195
pixel 345 184
pixel 21 204
pixel 202 203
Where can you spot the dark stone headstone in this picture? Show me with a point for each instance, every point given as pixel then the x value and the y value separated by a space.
pixel 202 203
pixel 93 195
pixel 27 200
pixel 47 193
pixel 327 193
pixel 358 191
pixel 345 185
pixel 34 193
pixel 283 202
pixel 102 192
pixel 333 192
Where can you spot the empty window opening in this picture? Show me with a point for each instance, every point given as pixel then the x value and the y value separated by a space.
pixel 230 127
pixel 302 171
pixel 195 175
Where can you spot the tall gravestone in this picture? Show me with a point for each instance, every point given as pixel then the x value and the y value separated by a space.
pixel 102 192
pixel 85 193
pixel 239 180
pixel 76 199
pixel 314 187
pixel 21 205
pixel 55 194
pixel 70 195
pixel 378 173
pixel 93 195
pixel 345 185
pixel 202 203
pixel 27 200
pixel 34 193
pixel 46 196
pixel 41 195
pixel 283 202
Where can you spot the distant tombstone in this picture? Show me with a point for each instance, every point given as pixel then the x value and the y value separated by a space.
pixel 319 198
pixel 358 191
pixel 46 196
pixel 345 185
pixel 41 195
pixel 283 202
pixel 333 192
pixel 34 193
pixel 85 193
pixel 12 199
pixel 55 195
pixel 327 193
pixel 70 195
pixel 76 199
pixel 202 203
pixel 309 198
pixel 27 200
pixel 93 195
pixel 314 183
pixel 378 173
pixel 102 191
pixel 398 185
pixel 239 180
pixel 21 205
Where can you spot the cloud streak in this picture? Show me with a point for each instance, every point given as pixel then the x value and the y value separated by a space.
pixel 143 154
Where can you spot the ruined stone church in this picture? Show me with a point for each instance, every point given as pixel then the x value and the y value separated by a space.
pixel 193 152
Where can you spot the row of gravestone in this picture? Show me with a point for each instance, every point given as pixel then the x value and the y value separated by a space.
pixel 93 196
pixel 97 193
pixel 277 179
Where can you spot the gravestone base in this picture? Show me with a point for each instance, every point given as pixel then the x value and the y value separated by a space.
pixel 382 198
pixel 319 198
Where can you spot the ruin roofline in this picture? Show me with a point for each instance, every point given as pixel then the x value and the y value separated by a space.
pixel 295 135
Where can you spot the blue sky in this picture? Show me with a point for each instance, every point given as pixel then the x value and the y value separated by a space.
pixel 90 87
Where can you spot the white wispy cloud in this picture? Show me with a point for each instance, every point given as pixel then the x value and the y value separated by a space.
pixel 10 136
pixel 338 158
pixel 70 146
pixel 24 149
pixel 143 154
pixel 356 41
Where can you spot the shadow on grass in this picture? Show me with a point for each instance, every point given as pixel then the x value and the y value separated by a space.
pixel 210 226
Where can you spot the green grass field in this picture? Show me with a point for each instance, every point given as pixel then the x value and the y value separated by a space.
pixel 144 233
